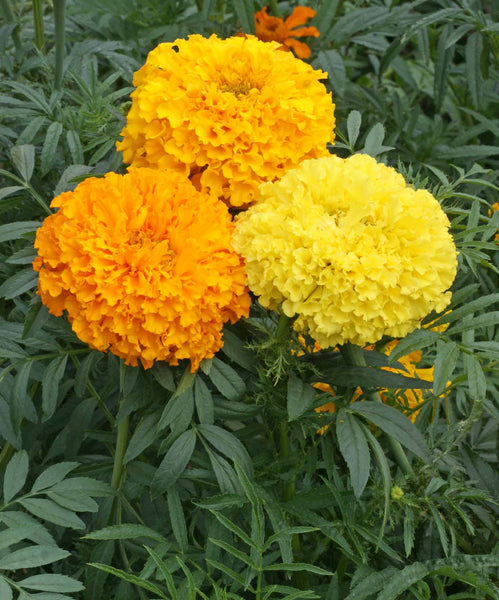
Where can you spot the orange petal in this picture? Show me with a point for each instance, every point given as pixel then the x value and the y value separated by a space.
pixel 302 31
pixel 299 16
pixel 301 49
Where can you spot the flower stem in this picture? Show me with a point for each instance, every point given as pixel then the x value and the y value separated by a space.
pixel 353 356
pixel 121 443
pixel 38 21
pixel 59 18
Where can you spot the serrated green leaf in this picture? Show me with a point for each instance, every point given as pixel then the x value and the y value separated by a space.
pixel 23 158
pixel 409 530
pixel 224 473
pixel 355 450
pixel 51 583
pixel 174 462
pixel 235 350
pixel 204 401
pixel 370 584
pixel 177 518
pixel 74 501
pixel 177 407
pixel 15 475
pixel 144 436
pixel 50 511
pixel 226 380
pixel 52 376
pixel 374 140
pixel 442 65
pixel 165 572
pixel 33 556
pixel 477 382
pixel 84 485
pixel 75 147
pixel 34 530
pixel 298 567
pixel 5 590
pixel 332 62
pixel 392 422
pixel 402 581
pixel 227 443
pixel 53 475
pixel 84 370
pixel 142 583
pixel 473 54
pixel 22 281
pixel 50 146
pixel 246 14
pixel 353 126
pixel 7 191
pixel 235 552
pixel 163 374
pixel 445 362
pixel 126 531
pixel 300 397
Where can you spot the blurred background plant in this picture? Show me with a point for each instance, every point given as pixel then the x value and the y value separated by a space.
pixel 227 490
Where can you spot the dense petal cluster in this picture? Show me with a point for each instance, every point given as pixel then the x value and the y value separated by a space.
pixel 143 265
pixel 229 113
pixel 349 249
pixel 274 29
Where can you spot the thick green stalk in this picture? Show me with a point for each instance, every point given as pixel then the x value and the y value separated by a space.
pixel 353 356
pixel 38 21
pixel 121 444
pixel 59 19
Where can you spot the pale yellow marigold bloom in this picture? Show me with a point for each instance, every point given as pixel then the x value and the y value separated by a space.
pixel 350 249
pixel 229 113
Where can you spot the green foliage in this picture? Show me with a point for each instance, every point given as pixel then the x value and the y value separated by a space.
pixel 222 487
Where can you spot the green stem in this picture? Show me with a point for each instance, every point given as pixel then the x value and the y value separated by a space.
pixel 38 21
pixel 121 443
pixel 353 356
pixel 59 19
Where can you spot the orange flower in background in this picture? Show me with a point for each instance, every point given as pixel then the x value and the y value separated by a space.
pixel 274 29
pixel 144 266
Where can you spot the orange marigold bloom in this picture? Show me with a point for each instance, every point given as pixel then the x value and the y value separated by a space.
pixel 144 266
pixel 229 113
pixel 274 29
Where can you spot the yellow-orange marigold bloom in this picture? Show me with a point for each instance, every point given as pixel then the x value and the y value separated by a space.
pixel 350 249
pixel 144 266
pixel 495 208
pixel 274 29
pixel 229 113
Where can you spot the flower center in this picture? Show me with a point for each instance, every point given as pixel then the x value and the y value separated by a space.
pixel 238 88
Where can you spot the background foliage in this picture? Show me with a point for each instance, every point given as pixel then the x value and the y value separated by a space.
pixel 227 491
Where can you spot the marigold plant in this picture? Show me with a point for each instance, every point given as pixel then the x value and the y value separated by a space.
pixel 274 29
pixel 350 249
pixel 230 113
pixel 143 265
